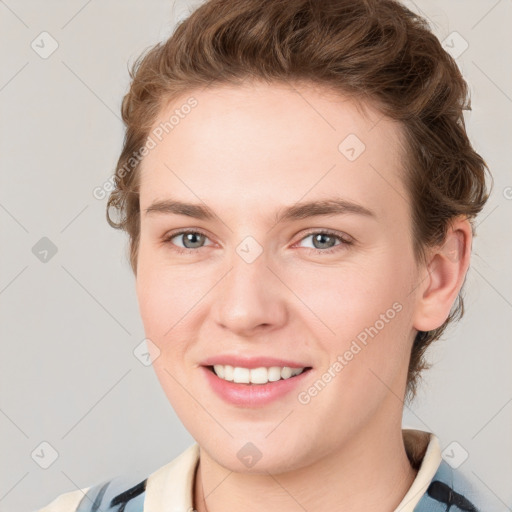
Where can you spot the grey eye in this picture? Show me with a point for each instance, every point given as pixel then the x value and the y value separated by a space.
pixel 192 240
pixel 323 241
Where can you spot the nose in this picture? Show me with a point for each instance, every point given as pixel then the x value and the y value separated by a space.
pixel 251 298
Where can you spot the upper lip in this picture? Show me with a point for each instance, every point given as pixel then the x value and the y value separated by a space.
pixel 251 362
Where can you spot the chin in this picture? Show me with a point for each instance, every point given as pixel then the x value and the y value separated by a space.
pixel 259 455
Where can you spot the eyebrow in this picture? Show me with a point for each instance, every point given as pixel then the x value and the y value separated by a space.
pixel 298 211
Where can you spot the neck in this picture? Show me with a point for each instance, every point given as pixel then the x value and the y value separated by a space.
pixel 371 472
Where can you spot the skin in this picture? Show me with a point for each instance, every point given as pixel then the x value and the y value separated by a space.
pixel 247 152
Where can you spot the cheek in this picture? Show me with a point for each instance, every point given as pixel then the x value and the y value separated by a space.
pixel 165 305
pixel 171 304
pixel 165 295
pixel 352 297
pixel 363 316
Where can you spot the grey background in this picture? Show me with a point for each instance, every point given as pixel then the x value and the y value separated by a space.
pixel 69 326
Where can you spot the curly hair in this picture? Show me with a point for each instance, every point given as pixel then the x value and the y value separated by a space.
pixel 374 51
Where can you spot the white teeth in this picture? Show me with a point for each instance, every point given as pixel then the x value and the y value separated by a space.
pixel 228 373
pixel 259 375
pixel 286 372
pixel 273 373
pixel 241 375
pixel 219 370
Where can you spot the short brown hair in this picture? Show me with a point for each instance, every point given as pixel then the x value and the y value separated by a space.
pixel 375 51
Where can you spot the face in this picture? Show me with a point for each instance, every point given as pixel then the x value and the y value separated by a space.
pixel 263 280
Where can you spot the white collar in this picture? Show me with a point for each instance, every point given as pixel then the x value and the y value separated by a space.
pixel 171 487
pixel 429 465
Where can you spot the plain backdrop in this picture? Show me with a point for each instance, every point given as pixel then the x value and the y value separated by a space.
pixel 74 397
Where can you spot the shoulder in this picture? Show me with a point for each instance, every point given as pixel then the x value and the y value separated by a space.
pixel 67 502
pixel 171 483
pixel 452 488
pixel 109 495
pixel 114 494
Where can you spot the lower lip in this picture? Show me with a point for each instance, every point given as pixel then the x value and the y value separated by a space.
pixel 252 395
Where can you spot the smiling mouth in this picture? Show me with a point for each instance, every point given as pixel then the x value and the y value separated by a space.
pixel 256 376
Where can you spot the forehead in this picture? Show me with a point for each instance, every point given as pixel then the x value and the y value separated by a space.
pixel 265 144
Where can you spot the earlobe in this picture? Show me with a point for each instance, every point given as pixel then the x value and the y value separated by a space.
pixel 445 273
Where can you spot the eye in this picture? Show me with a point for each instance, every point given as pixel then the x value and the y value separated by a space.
pixel 191 240
pixel 325 241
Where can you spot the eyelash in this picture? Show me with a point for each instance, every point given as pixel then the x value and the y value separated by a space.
pixel 344 241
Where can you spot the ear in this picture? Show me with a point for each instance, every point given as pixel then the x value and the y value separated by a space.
pixel 443 277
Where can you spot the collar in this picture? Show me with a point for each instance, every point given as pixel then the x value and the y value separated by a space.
pixel 424 454
pixel 171 487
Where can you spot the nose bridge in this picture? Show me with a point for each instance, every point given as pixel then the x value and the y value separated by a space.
pixel 250 295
